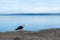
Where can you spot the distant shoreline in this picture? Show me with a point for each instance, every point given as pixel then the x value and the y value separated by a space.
pixel 30 14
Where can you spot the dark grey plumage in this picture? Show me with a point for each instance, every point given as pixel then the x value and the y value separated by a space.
pixel 19 28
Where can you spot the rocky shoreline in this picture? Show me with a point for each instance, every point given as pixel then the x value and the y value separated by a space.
pixel 47 34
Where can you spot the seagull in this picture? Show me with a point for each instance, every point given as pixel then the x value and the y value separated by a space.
pixel 20 27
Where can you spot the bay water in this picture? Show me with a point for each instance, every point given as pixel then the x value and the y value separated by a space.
pixel 30 22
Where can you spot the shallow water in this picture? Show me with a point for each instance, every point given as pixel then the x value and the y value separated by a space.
pixel 31 22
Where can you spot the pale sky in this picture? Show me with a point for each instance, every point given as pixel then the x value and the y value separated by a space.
pixel 29 6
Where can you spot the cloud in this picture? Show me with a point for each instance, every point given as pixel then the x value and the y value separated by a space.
pixel 29 6
pixel 31 10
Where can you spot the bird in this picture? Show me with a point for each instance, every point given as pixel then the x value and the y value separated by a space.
pixel 20 27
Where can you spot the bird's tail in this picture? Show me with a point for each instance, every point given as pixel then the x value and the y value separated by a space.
pixel 16 29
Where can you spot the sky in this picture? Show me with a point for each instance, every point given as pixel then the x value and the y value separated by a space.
pixel 29 6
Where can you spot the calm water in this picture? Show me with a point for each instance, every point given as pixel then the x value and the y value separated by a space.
pixel 31 22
